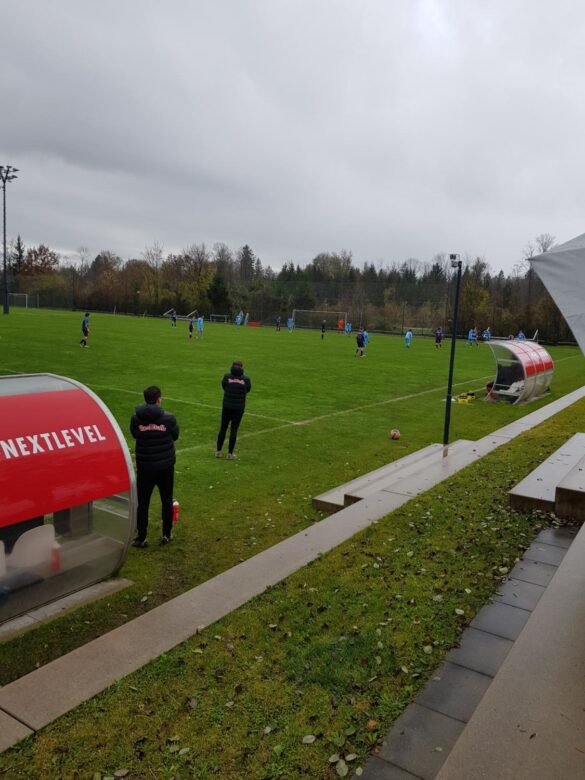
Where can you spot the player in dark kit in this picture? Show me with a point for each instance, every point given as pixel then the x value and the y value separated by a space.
pixel 236 386
pixel 156 432
pixel 361 344
pixel 323 326
pixel 85 330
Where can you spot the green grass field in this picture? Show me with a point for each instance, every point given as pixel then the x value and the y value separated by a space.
pixel 338 649
pixel 317 416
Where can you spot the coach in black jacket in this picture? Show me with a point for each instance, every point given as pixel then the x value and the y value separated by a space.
pixel 236 385
pixel 156 432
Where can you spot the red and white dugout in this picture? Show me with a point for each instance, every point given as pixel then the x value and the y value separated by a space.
pixel 67 491
pixel 524 370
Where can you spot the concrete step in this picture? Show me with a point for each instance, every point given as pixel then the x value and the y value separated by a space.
pixel 396 478
pixel 570 494
pixel 538 489
pixel 334 500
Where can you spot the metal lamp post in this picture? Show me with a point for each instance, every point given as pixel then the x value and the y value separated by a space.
pixel 7 173
pixel 455 263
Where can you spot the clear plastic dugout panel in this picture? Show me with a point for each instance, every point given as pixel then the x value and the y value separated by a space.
pixel 67 491
pixel 524 370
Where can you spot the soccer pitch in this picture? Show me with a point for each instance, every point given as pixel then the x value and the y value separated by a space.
pixel 317 416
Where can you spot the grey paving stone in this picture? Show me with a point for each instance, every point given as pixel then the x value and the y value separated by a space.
pixel 517 593
pixel 533 571
pixel 377 769
pixel 11 731
pixel 480 651
pixel 501 620
pixel 545 553
pixel 558 537
pixel 454 691
pixel 421 740
pixel 531 721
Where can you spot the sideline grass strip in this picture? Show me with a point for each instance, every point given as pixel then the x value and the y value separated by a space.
pixel 335 652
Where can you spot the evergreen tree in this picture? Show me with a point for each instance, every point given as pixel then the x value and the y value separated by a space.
pixel 17 256
pixel 219 295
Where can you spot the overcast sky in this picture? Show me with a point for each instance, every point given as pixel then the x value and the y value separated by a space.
pixel 391 128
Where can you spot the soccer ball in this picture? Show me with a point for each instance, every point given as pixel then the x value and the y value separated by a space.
pixel 394 433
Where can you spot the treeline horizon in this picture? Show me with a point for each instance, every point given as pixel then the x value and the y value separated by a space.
pixel 388 297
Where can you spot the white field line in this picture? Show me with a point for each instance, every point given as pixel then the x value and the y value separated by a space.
pixel 290 424
pixel 217 407
pixel 334 414
pixel 389 401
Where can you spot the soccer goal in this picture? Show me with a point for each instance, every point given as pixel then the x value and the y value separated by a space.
pixel 23 300
pixel 219 318
pixel 311 318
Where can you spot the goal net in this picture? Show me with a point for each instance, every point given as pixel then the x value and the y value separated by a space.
pixel 23 300
pixel 219 318
pixel 311 318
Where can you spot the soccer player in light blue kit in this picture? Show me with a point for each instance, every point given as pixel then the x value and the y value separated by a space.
pixel 199 327
pixel 408 338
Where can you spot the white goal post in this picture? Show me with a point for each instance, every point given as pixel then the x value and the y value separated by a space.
pixel 23 300
pixel 219 317
pixel 312 318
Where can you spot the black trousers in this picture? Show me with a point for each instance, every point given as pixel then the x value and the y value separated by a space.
pixel 146 481
pixel 233 416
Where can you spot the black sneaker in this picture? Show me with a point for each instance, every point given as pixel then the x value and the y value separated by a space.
pixel 140 543
pixel 166 539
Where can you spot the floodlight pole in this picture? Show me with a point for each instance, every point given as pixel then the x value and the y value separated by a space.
pixel 7 173
pixel 455 263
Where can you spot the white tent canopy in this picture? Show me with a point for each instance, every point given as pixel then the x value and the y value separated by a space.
pixel 562 271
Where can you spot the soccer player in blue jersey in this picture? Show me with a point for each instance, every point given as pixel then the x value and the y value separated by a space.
pixel 200 327
pixel 407 338
pixel 85 330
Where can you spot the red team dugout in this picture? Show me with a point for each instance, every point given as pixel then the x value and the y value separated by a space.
pixel 524 370
pixel 67 491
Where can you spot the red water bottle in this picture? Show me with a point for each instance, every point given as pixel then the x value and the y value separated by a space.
pixel 175 511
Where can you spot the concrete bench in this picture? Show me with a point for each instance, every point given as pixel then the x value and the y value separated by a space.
pixel 539 489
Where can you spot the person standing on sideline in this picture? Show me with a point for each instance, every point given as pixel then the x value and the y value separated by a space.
pixel 84 330
pixel 519 337
pixel 236 386
pixel 407 338
pixel 156 432
pixel 323 327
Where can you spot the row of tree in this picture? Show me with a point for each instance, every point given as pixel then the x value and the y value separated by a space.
pixel 385 297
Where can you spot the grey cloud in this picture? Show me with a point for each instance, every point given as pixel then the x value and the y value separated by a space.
pixel 392 129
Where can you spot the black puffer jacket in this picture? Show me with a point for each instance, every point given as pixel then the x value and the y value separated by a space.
pixel 236 385
pixel 155 432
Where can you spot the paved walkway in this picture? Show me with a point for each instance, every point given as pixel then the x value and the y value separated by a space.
pixel 431 739
pixel 38 698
